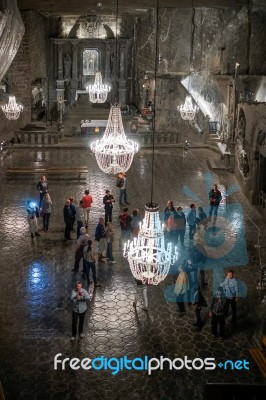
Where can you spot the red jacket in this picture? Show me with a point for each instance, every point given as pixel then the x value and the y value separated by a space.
pixel 87 200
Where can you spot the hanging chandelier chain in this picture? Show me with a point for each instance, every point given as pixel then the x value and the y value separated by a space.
pixel 155 93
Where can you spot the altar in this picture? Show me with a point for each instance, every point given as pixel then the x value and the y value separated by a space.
pixel 91 126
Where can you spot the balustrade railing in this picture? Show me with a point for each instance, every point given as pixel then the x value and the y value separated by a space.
pixel 35 137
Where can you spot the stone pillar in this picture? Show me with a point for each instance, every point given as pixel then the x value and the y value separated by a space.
pixel 107 72
pixel 122 87
pixel 60 74
pixel 75 79
pixel 122 60
pixel 74 59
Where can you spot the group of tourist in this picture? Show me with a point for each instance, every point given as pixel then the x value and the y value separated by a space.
pixel 191 276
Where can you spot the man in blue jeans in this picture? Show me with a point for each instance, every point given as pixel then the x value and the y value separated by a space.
pixel 230 287
pixel 123 189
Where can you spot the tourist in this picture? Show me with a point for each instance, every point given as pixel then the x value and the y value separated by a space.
pixel 42 186
pixel 141 289
pixel 230 287
pixel 217 312
pixel 121 183
pixel 68 219
pixel 191 220
pixel 73 210
pixel 109 240
pixel 89 264
pixel 180 219
pixel 168 210
pixel 181 289
pixel 87 201
pixel 33 214
pixel 108 201
pixel 81 243
pixel 125 225
pixel 79 297
pixel 46 209
pixel 100 237
pixel 199 302
pixel 215 198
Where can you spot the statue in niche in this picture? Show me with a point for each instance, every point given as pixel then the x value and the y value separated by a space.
pixel 60 28
pixel 242 127
pixel 244 164
pixel 38 105
pixel 67 66
pixel 90 62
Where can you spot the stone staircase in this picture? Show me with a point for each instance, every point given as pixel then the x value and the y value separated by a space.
pixel 83 109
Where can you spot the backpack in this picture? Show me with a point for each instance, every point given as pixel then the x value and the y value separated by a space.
pixel 119 182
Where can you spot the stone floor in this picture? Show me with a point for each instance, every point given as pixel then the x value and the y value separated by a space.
pixel 36 282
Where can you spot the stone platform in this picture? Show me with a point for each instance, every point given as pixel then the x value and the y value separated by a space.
pixel 36 282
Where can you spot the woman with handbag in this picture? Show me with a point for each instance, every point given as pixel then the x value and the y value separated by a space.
pixel 46 209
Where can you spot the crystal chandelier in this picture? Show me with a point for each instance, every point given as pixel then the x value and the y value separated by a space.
pixel 12 110
pixel 114 152
pixel 148 256
pixel 98 92
pixel 149 259
pixel 187 110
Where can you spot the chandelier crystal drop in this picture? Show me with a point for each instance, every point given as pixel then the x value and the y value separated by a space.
pixel 12 110
pixel 114 152
pixel 148 256
pixel 187 110
pixel 98 92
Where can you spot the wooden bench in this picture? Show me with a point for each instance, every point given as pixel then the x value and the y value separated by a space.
pixel 49 170
pixel 259 356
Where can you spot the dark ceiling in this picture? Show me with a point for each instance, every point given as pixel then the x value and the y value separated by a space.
pixel 78 7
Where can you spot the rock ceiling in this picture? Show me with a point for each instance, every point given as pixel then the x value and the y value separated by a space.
pixel 78 7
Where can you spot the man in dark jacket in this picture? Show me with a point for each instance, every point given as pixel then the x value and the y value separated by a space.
pixel 215 198
pixel 100 236
pixel 108 201
pixel 181 225
pixel 68 219
pixel 217 312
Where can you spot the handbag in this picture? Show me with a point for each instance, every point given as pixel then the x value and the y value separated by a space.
pixel 41 213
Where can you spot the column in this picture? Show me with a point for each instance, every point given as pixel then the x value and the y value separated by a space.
pixel 107 72
pixel 60 75
pixel 75 79
pixel 74 59
pixel 122 87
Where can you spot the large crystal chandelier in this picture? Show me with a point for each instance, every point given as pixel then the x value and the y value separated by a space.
pixel 98 92
pixel 12 110
pixel 148 256
pixel 187 110
pixel 114 152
